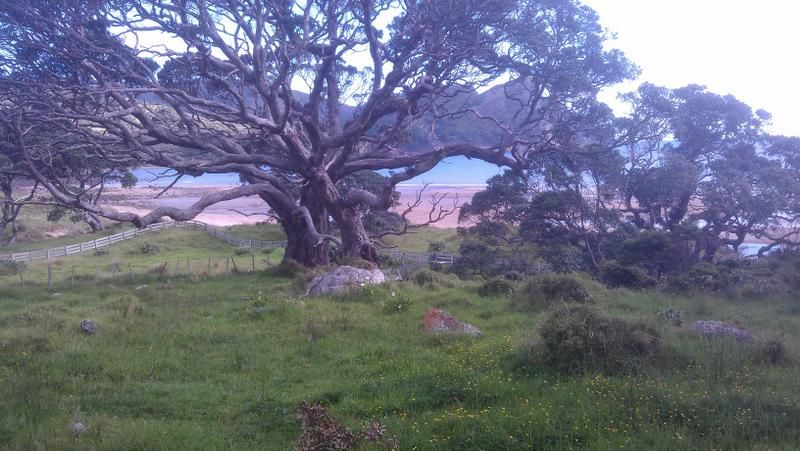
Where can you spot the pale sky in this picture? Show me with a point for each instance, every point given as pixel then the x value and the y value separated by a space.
pixel 745 48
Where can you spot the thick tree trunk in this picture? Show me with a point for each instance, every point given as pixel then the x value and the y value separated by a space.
pixel 11 239
pixel 355 239
pixel 303 248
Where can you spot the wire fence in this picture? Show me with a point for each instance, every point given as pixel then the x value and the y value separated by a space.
pixel 217 232
pixel 99 243
pixel 59 274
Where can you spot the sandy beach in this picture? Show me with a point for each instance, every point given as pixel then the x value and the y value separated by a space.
pixel 249 210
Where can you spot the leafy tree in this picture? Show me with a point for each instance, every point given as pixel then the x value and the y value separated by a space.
pixel 224 100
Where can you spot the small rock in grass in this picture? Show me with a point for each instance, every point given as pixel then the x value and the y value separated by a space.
pixel 259 310
pixel 439 321
pixel 141 287
pixel 77 428
pixel 89 327
pixel 711 328
pixel 55 295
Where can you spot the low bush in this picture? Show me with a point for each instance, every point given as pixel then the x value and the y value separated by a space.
pixel 772 352
pixel 546 290
pixel 615 275
pixel 514 276
pixel 290 268
pixel 397 304
pixel 101 251
pixel 496 287
pixel 148 248
pixel 8 267
pixel 427 277
pixel 579 338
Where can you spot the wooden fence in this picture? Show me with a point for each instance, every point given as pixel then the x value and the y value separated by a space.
pixel 80 248
pixel 217 232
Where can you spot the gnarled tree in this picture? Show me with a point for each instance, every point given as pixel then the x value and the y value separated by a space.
pixel 306 93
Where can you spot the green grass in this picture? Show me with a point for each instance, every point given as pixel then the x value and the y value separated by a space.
pixel 417 240
pixel 204 255
pixel 39 233
pixel 186 364
pixel 264 231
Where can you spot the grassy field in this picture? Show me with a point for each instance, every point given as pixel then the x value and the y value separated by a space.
pixel 187 363
pixel 39 233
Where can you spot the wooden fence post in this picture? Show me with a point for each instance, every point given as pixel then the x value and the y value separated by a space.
pixel 227 261
pixel 49 277
pixel 188 268
pixel 21 278
pixel 253 256
pixel 208 271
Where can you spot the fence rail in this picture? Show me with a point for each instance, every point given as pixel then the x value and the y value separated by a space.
pixel 99 243
pixel 217 232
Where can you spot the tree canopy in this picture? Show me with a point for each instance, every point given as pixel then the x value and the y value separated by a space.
pixel 277 92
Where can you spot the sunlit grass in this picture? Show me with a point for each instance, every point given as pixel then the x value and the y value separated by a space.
pixel 187 363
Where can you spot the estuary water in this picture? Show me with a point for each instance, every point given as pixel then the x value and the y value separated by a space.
pixel 454 171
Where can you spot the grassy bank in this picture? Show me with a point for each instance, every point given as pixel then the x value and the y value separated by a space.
pixel 187 363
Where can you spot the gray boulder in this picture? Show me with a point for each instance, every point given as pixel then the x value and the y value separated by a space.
pixel 344 278
pixel 713 328
pixel 89 327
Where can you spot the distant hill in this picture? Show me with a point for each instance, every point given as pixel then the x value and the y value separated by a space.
pixel 425 132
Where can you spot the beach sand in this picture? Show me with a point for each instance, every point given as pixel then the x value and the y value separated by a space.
pixel 251 209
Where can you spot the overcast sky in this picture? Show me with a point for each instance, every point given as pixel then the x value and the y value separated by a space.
pixel 745 48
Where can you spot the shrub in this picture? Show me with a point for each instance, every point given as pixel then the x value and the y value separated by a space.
pixel 148 248
pixel 397 304
pixel 671 316
pixel 496 287
pixel 427 277
pixel 437 246
pixel 772 352
pixel 579 338
pixel 101 251
pixel 614 275
pixel 546 290
pixel 9 267
pixel 290 268
pixel 564 258
pixel 514 276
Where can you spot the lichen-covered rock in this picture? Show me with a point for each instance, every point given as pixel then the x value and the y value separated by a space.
pixel 89 327
pixel 344 278
pixel 711 328
pixel 439 321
